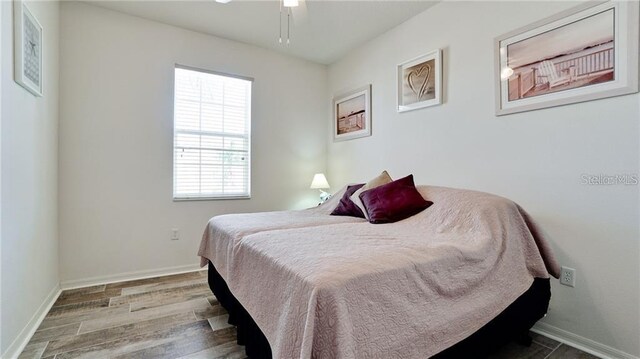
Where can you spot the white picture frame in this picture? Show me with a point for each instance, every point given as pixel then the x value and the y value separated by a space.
pixel 28 49
pixel 352 114
pixel 420 82
pixel 559 63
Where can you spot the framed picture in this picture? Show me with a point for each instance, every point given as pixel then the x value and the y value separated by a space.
pixel 585 53
pixel 352 114
pixel 28 48
pixel 420 82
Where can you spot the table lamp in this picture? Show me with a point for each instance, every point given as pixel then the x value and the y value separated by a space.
pixel 320 182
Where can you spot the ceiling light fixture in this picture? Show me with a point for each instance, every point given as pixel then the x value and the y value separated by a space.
pixel 288 4
pixel 223 1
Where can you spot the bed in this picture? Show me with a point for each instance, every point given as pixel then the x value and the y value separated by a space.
pixel 463 276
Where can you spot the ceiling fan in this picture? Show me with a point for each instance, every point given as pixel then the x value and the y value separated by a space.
pixel 285 9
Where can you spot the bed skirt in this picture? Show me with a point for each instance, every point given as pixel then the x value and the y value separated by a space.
pixel 512 324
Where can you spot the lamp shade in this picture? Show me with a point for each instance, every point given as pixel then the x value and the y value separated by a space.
pixel 319 181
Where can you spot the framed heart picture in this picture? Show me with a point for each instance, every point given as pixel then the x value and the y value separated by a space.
pixel 420 82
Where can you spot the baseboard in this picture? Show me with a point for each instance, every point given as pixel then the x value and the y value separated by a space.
pixel 580 342
pixel 150 273
pixel 25 335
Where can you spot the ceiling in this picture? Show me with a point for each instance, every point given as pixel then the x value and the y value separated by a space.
pixel 322 30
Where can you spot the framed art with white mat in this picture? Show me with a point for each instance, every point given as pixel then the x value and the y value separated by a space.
pixel 585 53
pixel 420 82
pixel 352 114
pixel 27 33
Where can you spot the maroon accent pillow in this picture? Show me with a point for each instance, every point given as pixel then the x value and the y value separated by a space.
pixel 393 201
pixel 346 207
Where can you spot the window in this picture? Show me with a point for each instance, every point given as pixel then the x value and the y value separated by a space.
pixel 211 135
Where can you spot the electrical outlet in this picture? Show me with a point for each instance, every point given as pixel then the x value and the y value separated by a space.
pixel 568 276
pixel 175 235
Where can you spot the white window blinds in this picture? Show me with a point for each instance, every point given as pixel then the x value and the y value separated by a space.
pixel 212 135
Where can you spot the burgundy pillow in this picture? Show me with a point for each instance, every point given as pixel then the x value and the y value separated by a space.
pixel 346 207
pixel 393 201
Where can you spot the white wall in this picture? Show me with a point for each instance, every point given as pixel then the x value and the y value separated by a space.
pixel 535 158
pixel 1 72
pixel 116 119
pixel 29 140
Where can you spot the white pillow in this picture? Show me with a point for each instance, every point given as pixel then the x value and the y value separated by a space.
pixel 379 180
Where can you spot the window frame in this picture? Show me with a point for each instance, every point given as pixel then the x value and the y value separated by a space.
pixel 173 146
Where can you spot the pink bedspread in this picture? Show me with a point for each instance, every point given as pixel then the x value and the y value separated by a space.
pixel 356 290
pixel 225 232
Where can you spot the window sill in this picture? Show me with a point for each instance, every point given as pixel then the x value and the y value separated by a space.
pixel 188 199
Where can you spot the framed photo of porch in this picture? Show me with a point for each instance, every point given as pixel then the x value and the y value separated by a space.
pixel 352 114
pixel 586 53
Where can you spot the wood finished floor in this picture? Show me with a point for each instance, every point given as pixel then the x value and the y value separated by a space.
pixel 172 317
